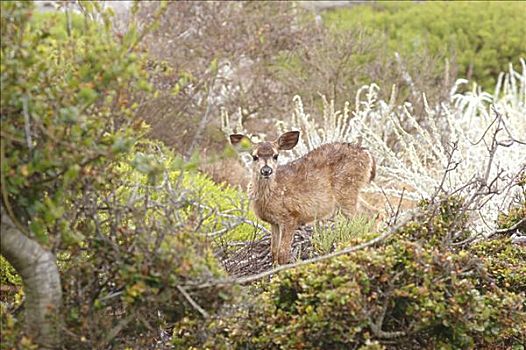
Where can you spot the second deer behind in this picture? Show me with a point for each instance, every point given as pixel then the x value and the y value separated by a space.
pixel 310 188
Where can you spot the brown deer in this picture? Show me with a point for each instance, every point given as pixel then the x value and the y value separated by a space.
pixel 310 188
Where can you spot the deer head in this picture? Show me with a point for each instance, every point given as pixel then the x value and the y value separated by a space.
pixel 265 154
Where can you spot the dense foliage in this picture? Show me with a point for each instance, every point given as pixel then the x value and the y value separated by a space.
pixel 415 291
pixel 482 37
pixel 123 229
pixel 59 116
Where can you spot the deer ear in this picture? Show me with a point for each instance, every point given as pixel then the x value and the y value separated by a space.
pixel 241 141
pixel 288 140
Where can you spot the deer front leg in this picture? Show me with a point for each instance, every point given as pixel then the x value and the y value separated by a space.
pixel 274 242
pixel 287 236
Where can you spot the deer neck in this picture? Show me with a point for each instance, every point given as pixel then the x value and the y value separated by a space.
pixel 261 190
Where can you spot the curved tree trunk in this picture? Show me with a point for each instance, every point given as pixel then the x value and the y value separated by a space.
pixel 39 272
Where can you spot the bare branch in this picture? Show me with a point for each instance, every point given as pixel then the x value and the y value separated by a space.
pixel 509 229
pixel 192 302
pixel 399 205
pixel 118 328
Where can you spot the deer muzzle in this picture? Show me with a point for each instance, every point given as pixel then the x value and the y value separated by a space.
pixel 266 171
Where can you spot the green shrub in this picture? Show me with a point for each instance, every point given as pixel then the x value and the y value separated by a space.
pixel 428 295
pixel 154 224
pixel 224 207
pixel 504 262
pixel 484 37
pixel 12 338
pixel 445 223
pixel 8 275
pixel 417 292
pixel 223 199
pixel 503 259
pixel 516 213
pixel 336 65
pixel 59 114
pixel 125 238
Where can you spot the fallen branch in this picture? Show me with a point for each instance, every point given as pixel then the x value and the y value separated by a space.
pixel 510 229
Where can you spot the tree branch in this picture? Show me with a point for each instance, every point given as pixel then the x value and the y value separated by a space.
pixel 192 302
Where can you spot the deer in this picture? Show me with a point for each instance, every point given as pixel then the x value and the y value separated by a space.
pixel 313 187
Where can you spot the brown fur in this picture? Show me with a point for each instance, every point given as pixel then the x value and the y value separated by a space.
pixel 308 189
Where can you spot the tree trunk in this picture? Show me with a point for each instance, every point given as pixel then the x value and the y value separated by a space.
pixel 41 280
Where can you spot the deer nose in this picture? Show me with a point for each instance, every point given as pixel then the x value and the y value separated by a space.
pixel 266 171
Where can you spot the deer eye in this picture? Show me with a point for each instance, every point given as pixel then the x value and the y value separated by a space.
pixel 255 158
pixel 275 157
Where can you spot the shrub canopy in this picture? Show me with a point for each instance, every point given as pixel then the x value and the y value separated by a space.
pixel 484 37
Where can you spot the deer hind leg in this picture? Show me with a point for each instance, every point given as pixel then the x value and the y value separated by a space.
pixel 275 239
pixel 287 236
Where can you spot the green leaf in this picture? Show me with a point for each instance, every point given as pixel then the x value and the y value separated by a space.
pixel 87 95
pixel 71 174
pixel 38 228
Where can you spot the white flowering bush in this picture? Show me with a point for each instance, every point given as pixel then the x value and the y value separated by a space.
pixel 473 145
